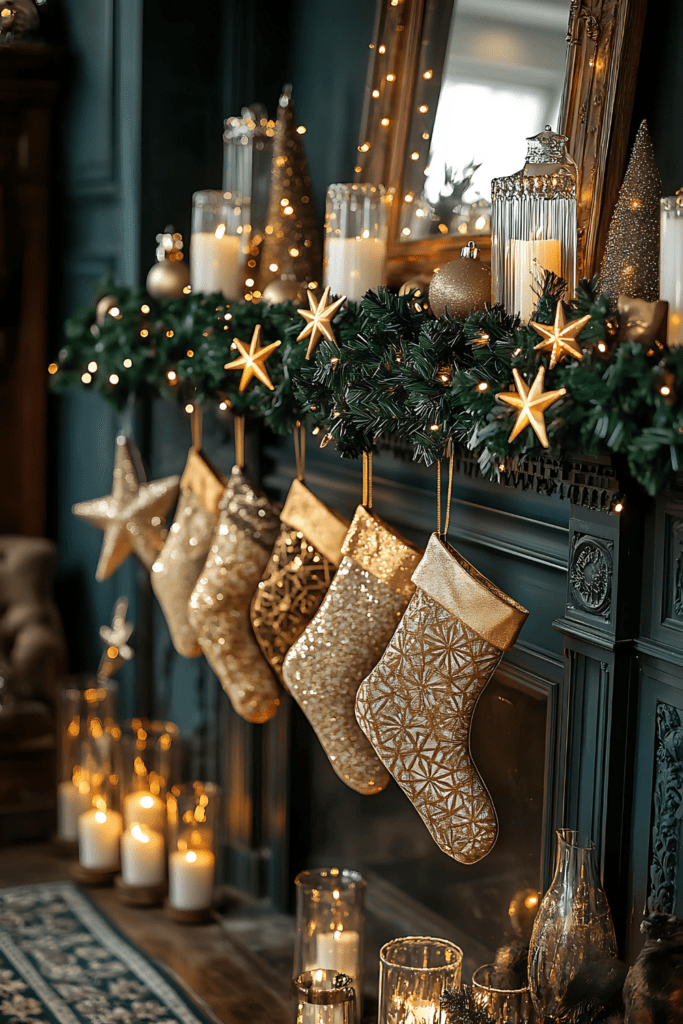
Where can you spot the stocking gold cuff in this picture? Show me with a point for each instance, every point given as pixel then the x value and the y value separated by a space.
pixel 374 546
pixel 204 480
pixel 449 579
pixel 322 527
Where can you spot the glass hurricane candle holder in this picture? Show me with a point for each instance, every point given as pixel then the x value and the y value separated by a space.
pixel 247 156
pixel 533 225
pixel 323 997
pixel 330 924
pixel 193 823
pixel 503 1005
pixel 87 731
pixel 671 265
pixel 220 226
pixel 413 972
pixel 355 239
pixel 147 766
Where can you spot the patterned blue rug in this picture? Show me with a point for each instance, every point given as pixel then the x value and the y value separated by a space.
pixel 62 962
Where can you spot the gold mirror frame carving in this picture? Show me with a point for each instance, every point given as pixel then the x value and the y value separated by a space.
pixel 603 51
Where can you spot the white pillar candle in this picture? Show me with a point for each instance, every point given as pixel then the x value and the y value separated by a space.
pixel 143 860
pixel 337 951
pixel 215 263
pixel 190 879
pixel 671 268
pixel 99 833
pixel 145 809
pixel 525 263
pixel 72 801
pixel 353 265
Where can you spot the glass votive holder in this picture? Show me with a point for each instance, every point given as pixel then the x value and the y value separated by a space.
pixel 147 765
pixel 356 225
pixel 220 226
pixel 87 732
pixel 323 997
pixel 330 924
pixel 503 1005
pixel 193 825
pixel 413 972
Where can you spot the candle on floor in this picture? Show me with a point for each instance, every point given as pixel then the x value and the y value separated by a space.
pixel 72 801
pixel 353 265
pixel 671 266
pixel 143 860
pixel 215 263
pixel 338 951
pixel 99 832
pixel 524 266
pixel 145 809
pixel 190 879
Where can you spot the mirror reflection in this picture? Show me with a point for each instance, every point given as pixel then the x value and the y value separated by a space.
pixel 502 81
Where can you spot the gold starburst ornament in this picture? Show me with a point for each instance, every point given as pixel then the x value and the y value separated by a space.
pixel 252 360
pixel 531 403
pixel 319 319
pixel 560 338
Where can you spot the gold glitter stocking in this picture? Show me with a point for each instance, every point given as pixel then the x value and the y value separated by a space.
pixel 302 565
pixel 416 705
pixel 175 571
pixel 219 606
pixel 346 638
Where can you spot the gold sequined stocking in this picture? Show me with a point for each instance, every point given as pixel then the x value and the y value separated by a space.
pixel 346 638
pixel 302 565
pixel 175 571
pixel 219 606
pixel 416 705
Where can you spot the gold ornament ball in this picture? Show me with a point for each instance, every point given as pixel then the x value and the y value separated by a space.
pixel 283 290
pixel 167 279
pixel 106 303
pixel 463 285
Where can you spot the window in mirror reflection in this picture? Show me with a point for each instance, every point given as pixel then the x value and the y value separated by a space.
pixel 502 82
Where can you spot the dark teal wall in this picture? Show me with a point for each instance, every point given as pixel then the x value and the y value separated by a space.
pixel 660 87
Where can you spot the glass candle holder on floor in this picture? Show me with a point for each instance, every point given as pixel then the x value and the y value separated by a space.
pixel 193 823
pixel 503 1005
pixel 146 766
pixel 330 924
pixel 218 243
pixel 413 972
pixel 356 223
pixel 323 997
pixel 87 730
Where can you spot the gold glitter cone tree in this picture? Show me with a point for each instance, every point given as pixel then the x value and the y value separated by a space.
pixel 291 253
pixel 630 265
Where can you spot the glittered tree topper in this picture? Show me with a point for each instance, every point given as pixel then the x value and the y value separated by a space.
pixel 252 360
pixel 291 247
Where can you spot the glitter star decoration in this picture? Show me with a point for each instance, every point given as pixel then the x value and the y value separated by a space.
pixel 531 403
pixel 252 360
pixel 133 516
pixel 560 338
pixel 319 319
pixel 116 637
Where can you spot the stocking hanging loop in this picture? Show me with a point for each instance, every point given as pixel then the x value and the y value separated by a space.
pixel 447 511
pixel 300 450
pixel 239 441
pixel 367 480
pixel 196 427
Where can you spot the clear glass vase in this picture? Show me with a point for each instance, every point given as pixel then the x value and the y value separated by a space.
pixel 573 926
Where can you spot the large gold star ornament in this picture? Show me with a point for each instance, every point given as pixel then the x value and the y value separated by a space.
pixel 531 403
pixel 560 338
pixel 252 360
pixel 319 319
pixel 133 516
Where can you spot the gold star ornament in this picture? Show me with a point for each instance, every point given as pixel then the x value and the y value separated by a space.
pixel 531 403
pixel 252 360
pixel 133 516
pixel 319 319
pixel 560 338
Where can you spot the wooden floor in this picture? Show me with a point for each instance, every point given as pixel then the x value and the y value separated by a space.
pixel 235 982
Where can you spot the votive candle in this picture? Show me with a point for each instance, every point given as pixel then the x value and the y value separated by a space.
pixel 526 262
pixel 143 860
pixel 354 265
pixel 190 879
pixel 72 801
pixel 146 809
pixel 99 832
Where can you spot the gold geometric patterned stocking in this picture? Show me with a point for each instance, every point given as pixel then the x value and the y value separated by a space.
pixel 416 705
pixel 302 565
pixel 175 571
pixel 346 638
pixel 218 610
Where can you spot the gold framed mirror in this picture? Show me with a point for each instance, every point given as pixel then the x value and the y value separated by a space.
pixel 454 88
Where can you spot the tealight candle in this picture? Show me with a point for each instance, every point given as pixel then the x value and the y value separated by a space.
pixel 338 951
pixel 72 801
pixel 99 832
pixel 145 809
pixel 143 860
pixel 190 879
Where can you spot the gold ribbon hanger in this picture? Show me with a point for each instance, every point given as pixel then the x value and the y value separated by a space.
pixel 300 450
pixel 447 517
pixel 196 417
pixel 367 480
pixel 239 442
